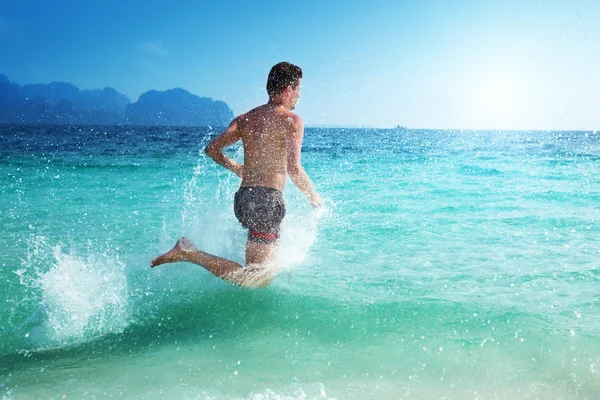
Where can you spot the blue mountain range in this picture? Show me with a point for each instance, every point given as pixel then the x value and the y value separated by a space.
pixel 64 103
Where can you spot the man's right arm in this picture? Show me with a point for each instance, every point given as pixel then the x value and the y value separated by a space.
pixel 293 145
pixel 215 148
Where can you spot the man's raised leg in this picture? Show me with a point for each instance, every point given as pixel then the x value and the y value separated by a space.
pixel 260 258
pixel 185 250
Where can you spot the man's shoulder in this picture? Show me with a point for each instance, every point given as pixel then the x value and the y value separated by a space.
pixel 291 117
pixel 250 113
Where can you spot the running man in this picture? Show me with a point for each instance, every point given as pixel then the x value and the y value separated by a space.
pixel 271 135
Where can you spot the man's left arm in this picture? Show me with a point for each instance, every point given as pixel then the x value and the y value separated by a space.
pixel 215 148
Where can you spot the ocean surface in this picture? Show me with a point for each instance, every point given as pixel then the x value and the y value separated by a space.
pixel 444 265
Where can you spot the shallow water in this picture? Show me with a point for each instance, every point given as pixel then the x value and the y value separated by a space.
pixel 444 265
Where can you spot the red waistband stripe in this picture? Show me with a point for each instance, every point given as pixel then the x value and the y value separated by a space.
pixel 263 235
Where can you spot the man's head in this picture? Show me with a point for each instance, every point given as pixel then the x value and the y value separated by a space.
pixel 282 76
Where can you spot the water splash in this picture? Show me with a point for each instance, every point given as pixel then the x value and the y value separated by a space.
pixel 299 232
pixel 81 297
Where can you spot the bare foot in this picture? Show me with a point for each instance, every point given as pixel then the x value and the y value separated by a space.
pixel 176 254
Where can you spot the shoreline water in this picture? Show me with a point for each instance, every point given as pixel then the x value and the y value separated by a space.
pixel 446 266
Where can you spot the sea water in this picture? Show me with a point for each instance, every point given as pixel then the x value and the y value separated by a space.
pixel 443 265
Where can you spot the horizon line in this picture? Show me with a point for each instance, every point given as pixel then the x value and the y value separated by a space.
pixel 359 127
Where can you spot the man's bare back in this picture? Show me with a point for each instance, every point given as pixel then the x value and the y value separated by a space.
pixel 263 132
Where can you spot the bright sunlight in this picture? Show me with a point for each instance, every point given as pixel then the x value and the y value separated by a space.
pixel 500 103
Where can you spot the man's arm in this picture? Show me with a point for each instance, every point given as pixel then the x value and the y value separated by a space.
pixel 293 145
pixel 215 148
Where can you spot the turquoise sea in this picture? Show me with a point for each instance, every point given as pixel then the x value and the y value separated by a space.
pixel 444 265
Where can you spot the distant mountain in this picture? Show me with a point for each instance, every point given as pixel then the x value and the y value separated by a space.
pixel 177 107
pixel 11 99
pixel 64 103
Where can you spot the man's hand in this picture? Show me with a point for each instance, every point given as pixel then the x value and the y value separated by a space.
pixel 315 200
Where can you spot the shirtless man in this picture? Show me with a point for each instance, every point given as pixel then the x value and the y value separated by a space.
pixel 271 135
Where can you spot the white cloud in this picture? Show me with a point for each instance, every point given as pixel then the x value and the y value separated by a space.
pixel 149 66
pixel 155 48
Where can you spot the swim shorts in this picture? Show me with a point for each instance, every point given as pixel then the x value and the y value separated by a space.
pixel 261 210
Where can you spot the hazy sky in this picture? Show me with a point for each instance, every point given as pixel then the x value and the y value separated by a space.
pixel 497 64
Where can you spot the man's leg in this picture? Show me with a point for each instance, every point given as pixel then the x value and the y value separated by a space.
pixel 260 271
pixel 260 253
pixel 185 250
pixel 261 265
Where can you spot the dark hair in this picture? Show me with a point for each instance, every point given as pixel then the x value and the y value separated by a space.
pixel 281 76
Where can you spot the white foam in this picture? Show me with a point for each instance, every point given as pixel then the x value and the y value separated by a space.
pixel 299 232
pixel 294 392
pixel 83 297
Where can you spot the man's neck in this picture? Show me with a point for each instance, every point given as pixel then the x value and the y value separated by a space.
pixel 277 102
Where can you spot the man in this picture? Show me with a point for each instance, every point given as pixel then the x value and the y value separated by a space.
pixel 271 135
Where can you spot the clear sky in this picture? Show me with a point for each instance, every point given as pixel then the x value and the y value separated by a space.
pixel 458 64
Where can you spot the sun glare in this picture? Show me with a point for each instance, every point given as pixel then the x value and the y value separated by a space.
pixel 500 103
pixel 498 96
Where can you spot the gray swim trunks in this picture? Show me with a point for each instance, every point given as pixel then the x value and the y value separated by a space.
pixel 261 210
